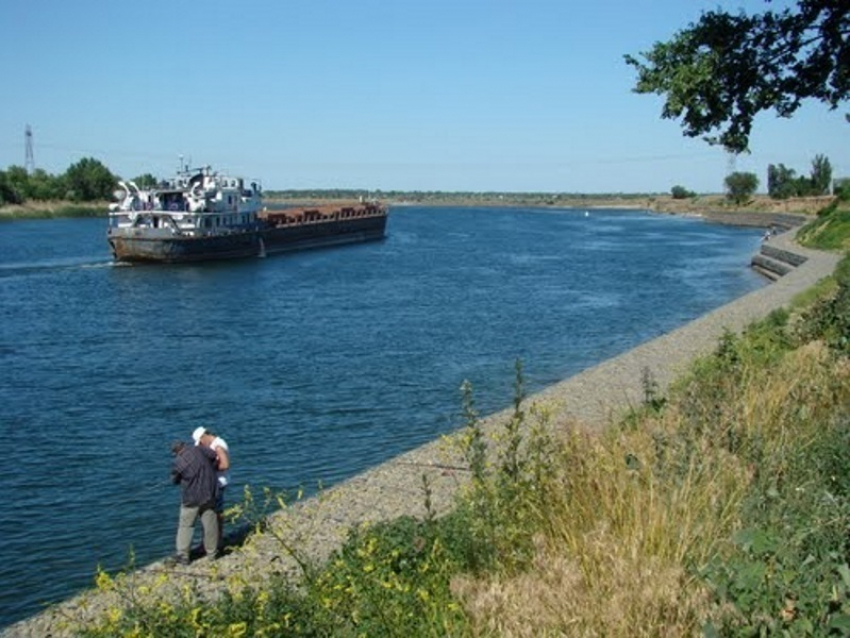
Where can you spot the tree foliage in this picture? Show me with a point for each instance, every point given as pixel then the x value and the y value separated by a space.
pixel 821 175
pixel 43 186
pixel 680 192
pixel 723 70
pixel 18 180
pixel 89 180
pixel 741 186
pixel 783 183
pixel 145 181
pixel 8 193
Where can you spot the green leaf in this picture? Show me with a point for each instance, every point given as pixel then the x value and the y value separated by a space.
pixel 710 631
pixel 750 577
pixel 844 572
pixel 840 623
pixel 756 541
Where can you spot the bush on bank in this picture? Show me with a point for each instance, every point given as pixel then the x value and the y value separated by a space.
pixel 721 509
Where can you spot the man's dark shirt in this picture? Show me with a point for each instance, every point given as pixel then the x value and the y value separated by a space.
pixel 194 469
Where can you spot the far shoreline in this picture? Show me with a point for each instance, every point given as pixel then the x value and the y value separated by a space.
pixel 760 211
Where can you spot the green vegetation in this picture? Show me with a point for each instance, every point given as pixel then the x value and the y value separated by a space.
pixel 720 509
pixel 782 182
pixel 740 187
pixel 719 73
pixel 85 181
pixel 831 228
pixel 680 192
pixel 54 210
pixel 464 198
pixel 88 180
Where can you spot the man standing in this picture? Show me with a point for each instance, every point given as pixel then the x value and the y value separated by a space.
pixel 194 470
pixel 204 437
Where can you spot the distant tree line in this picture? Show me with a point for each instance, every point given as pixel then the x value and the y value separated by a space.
pixel 450 197
pixel 782 182
pixel 85 181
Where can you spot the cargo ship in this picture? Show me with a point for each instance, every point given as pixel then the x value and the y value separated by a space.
pixel 202 215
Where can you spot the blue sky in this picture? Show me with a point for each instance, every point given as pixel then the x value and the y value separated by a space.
pixel 504 95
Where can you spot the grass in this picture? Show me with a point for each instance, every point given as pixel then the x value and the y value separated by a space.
pixel 51 210
pixel 831 229
pixel 719 509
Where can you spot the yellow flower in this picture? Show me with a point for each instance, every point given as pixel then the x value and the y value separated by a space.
pixel 196 612
pixel 104 581
pixel 235 583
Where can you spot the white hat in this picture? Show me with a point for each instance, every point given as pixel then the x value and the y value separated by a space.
pixel 198 433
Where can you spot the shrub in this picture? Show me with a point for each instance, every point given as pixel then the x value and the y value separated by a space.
pixel 741 186
pixel 680 192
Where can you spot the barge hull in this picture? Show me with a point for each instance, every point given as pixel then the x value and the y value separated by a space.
pixel 291 238
pixel 128 247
